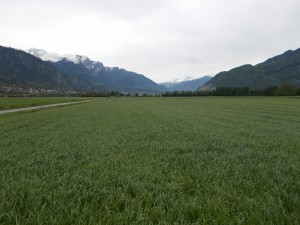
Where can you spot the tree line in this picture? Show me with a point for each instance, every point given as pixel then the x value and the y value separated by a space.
pixel 284 89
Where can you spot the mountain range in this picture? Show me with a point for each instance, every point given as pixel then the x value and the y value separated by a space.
pixel 37 68
pixel 114 78
pixel 273 72
pixel 186 85
pixel 18 68
pixel 40 69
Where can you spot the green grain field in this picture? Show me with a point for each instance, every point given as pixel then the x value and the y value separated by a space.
pixel 15 102
pixel 206 160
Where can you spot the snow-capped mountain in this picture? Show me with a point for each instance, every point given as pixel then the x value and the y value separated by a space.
pixel 54 57
pixel 93 71
pixel 186 84
pixel 176 81
pixel 24 71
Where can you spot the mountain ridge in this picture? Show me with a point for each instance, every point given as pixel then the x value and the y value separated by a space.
pixel 186 85
pixel 19 68
pixel 114 78
pixel 270 73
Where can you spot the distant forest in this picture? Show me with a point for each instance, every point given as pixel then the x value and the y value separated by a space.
pixel 284 89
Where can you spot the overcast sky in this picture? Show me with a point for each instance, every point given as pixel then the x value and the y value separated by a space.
pixel 162 39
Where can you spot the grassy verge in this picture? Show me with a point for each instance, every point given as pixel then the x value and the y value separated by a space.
pixel 153 161
pixel 17 102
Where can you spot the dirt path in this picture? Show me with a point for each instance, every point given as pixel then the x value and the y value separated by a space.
pixel 40 107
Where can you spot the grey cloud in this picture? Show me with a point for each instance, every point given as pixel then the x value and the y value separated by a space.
pixel 125 9
pixel 163 39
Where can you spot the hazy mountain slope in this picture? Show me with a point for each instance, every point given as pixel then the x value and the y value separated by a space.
pixel 113 78
pixel 22 69
pixel 93 71
pixel 272 72
pixel 189 85
pixel 120 79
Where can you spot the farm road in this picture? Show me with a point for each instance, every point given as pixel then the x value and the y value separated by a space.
pixel 41 107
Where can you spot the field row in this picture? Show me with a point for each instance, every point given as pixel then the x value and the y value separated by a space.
pixel 15 102
pixel 153 161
